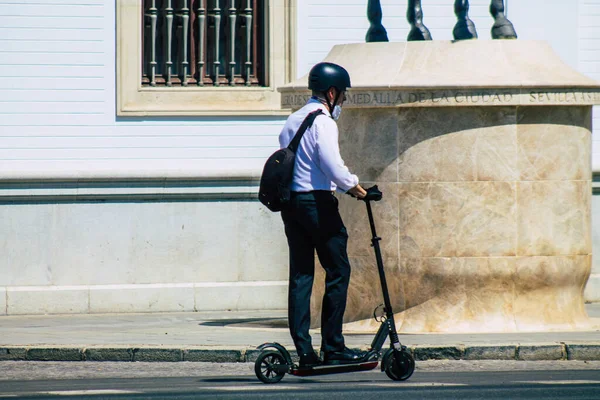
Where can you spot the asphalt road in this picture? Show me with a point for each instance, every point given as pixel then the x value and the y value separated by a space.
pixel 449 380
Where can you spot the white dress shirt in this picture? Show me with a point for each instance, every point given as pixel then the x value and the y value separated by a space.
pixel 319 165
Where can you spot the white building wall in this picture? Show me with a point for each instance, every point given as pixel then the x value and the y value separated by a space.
pixel 98 246
pixel 588 51
pixel 101 245
pixel 589 63
pixel 57 82
pixel 57 96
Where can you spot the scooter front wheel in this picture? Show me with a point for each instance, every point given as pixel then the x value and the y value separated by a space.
pixel 398 368
pixel 270 366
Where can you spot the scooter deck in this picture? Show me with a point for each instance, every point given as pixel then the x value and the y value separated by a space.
pixel 334 369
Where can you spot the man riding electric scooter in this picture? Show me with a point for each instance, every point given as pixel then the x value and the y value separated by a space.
pixel 312 220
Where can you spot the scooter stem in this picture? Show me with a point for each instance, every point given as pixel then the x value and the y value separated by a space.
pixel 384 288
pixel 371 221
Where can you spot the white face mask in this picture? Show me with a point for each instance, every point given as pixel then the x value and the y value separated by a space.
pixel 337 111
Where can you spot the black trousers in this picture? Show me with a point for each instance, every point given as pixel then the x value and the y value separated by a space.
pixel 313 222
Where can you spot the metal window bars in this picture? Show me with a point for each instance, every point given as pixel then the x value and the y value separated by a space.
pixel 203 43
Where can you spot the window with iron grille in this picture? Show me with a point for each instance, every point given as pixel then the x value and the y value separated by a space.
pixel 204 43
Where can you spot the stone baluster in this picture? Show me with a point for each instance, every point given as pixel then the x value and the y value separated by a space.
pixel 232 26
pixel 153 19
pixel 248 63
pixel 502 28
pixel 464 28
pixel 201 23
pixel 185 21
pixel 169 40
pixel 415 18
pixel 376 31
pixel 217 63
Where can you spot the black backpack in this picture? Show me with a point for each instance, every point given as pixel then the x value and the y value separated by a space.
pixel 278 172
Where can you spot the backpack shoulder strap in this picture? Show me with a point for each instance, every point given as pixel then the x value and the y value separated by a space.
pixel 308 121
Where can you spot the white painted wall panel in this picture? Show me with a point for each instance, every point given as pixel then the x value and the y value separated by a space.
pixel 42 71
pixel 72 23
pixel 589 60
pixel 54 85
pixel 125 142
pixel 62 3
pixel 57 104
pixel 51 35
pixel 71 9
pixel 23 95
pixel 57 78
pixel 144 153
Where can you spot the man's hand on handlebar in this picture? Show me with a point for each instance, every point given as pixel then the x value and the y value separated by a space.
pixel 357 191
pixel 371 194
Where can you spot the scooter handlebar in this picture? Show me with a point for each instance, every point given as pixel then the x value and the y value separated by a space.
pixel 373 194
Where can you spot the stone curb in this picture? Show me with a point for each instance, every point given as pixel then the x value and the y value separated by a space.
pixel 526 352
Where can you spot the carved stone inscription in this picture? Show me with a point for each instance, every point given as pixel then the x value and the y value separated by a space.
pixel 452 97
pixel 564 97
pixel 449 97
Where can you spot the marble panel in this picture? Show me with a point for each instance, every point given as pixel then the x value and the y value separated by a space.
pixel 554 143
pixel 147 242
pixel 385 216
pixel 3 301
pixel 452 295
pixel 457 219
pixel 241 297
pixel 457 144
pixel 196 242
pixel 549 293
pixel 592 289
pixel 26 245
pixel 141 299
pixel 553 218
pixel 263 249
pixel 458 294
pixel 364 291
pixel 47 301
pixel 369 143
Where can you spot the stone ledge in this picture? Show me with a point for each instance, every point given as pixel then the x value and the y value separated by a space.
pixel 528 352
pixel 498 352
pixel 99 188
pixel 172 297
pixel 55 354
pixel 541 352
pixel 13 353
pixel 423 352
pixel 216 356
pixel 583 351
pixel 157 354
pixel 108 354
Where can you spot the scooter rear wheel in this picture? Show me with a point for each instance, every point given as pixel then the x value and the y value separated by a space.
pixel 398 369
pixel 269 366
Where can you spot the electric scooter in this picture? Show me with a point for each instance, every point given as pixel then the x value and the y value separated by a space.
pixel 275 361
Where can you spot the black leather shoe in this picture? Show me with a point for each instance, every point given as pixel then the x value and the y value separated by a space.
pixel 309 360
pixel 345 356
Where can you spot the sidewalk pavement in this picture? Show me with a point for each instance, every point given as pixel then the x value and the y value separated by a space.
pixel 233 337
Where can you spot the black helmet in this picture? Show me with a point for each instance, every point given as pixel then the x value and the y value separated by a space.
pixel 325 75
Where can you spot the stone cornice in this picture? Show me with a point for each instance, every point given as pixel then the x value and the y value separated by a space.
pixel 369 98
pixel 467 73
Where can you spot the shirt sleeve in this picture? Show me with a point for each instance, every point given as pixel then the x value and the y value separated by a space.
pixel 330 160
